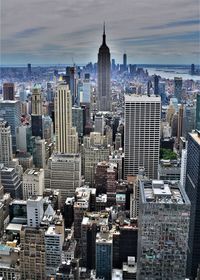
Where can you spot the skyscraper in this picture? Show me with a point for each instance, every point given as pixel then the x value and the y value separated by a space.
pixel 5 143
pixel 8 91
pixel 104 100
pixel 164 217
pixel 192 187
pixel 36 101
pixel 178 82
pixel 66 135
pixel 104 248
pixel 29 69
pixel 71 80
pixel 142 134
pixel 156 85
pixel 36 116
pixel 125 61
pixel 63 172
pixel 10 111
pixel 198 112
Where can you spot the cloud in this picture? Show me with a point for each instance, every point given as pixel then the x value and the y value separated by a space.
pixel 51 31
pixel 176 24
pixel 29 32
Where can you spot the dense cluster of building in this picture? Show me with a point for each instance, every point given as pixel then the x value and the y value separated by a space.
pixel 100 175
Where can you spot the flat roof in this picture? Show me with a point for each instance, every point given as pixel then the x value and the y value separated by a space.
pixel 142 98
pixel 14 227
pixel 33 171
pixel 196 137
pixel 164 192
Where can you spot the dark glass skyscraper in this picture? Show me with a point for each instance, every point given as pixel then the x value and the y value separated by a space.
pixel 125 61
pixel 178 82
pixel 156 85
pixel 198 112
pixel 193 191
pixel 104 76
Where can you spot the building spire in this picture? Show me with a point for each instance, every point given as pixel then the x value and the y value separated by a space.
pixel 104 33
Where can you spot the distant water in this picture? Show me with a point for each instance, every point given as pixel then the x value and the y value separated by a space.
pixel 171 73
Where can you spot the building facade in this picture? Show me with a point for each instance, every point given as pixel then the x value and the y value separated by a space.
pixel 10 111
pixel 63 172
pixel 33 182
pixel 142 134
pixel 66 135
pixel 5 143
pixel 192 187
pixel 164 217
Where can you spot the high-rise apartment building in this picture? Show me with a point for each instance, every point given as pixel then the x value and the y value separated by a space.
pixel 164 217
pixel 104 69
pixel 10 111
pixel 5 143
pixel 8 91
pixel 192 187
pixel 66 135
pixel 33 182
pixel 142 134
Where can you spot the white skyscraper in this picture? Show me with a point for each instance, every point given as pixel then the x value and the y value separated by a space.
pixel 5 143
pixel 66 135
pixel 142 134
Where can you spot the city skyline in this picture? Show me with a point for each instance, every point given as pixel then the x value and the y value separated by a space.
pixel 51 32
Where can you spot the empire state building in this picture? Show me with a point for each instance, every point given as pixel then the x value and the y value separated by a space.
pixel 104 76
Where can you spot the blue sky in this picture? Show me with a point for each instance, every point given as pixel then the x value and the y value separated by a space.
pixel 66 31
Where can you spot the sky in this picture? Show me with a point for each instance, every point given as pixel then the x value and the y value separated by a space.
pixel 70 31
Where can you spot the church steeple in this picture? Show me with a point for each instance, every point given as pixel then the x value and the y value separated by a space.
pixel 104 34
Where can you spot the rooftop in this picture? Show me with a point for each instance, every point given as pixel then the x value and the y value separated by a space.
pixel 164 192
pixel 141 98
pixel 33 171
pixel 14 227
pixel 104 237
pixel 59 157
pixel 196 137
pixel 9 101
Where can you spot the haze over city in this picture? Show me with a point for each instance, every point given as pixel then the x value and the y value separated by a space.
pixel 51 32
